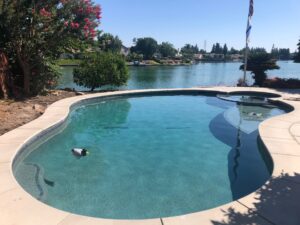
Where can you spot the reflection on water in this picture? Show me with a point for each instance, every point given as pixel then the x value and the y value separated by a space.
pixel 237 127
pixel 203 74
pixel 115 113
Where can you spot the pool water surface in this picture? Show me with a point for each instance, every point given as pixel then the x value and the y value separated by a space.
pixel 150 157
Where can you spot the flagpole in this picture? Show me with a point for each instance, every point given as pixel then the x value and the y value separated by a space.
pixel 249 26
pixel 245 62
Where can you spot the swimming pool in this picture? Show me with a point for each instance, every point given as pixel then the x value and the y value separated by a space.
pixel 150 157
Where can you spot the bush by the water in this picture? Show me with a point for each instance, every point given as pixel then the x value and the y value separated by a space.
pixel 258 64
pixel 297 56
pixel 291 83
pixel 101 69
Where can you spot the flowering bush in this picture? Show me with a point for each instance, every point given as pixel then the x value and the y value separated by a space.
pixel 35 33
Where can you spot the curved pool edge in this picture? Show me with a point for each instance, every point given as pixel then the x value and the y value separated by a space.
pixel 280 135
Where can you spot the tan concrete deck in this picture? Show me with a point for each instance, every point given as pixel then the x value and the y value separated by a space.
pixel 276 203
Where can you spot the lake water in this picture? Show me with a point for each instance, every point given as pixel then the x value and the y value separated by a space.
pixel 202 74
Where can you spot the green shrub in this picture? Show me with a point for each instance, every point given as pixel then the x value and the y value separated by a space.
pixel 100 69
pixel 291 83
pixel 297 56
pixel 258 64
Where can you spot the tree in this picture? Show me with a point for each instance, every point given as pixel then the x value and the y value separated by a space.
pixel 275 52
pixel 284 54
pixel 233 51
pixel 225 49
pixel 3 75
pixel 213 50
pixel 257 51
pixel 188 51
pixel 297 57
pixel 217 49
pixel 35 33
pixel 166 49
pixel 102 68
pixel 134 57
pixel 258 64
pixel 108 42
pixel 281 53
pixel 145 46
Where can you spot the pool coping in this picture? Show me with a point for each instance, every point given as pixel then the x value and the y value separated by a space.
pixel 280 135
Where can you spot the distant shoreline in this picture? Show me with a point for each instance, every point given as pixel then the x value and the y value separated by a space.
pixel 75 63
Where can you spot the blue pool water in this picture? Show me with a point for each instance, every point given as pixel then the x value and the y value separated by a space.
pixel 150 157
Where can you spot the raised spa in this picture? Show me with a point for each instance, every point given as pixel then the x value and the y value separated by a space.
pixel 150 157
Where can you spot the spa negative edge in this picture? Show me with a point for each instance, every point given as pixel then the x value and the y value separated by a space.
pixel 280 135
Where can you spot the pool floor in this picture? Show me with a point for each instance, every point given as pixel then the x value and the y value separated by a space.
pixel 150 157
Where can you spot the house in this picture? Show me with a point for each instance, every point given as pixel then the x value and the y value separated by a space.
pixel 178 55
pixel 157 55
pixel 125 51
pixel 236 57
pixel 198 57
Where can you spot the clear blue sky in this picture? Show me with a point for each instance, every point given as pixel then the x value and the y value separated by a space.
pixel 194 21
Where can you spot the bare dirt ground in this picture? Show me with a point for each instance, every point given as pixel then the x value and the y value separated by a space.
pixel 15 113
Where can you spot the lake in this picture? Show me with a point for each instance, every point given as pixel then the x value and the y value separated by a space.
pixel 202 74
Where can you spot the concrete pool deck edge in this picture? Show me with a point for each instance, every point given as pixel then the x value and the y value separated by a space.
pixel 277 202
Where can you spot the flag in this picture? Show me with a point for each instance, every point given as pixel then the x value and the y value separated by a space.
pixel 249 25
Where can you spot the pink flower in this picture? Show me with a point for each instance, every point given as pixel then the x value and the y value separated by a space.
pixel 45 13
pixel 97 8
pixel 89 10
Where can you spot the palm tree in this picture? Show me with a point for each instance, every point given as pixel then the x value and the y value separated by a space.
pixel 258 64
